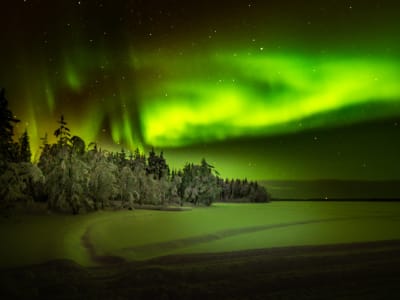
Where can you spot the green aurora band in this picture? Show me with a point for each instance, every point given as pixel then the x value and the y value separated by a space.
pixel 172 101
pixel 264 95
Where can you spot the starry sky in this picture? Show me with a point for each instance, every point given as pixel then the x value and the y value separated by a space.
pixel 263 89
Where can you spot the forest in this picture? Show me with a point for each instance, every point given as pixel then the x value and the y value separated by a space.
pixel 74 177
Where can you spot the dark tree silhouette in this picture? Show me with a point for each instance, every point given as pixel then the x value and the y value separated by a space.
pixel 8 149
pixel 152 163
pixel 157 165
pixel 242 191
pixel 24 148
pixel 78 145
pixel 163 168
pixel 62 133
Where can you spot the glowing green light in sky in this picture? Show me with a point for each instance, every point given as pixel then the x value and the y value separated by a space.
pixel 258 95
pixel 49 97
pixel 72 78
pixel 172 101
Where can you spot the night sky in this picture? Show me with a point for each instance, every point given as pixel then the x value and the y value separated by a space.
pixel 263 89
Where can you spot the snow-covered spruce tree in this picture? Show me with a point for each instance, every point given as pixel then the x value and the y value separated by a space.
pixel 165 190
pixel 138 167
pixel 173 193
pixel 66 183
pixel 151 191
pixel 199 184
pixel 14 178
pixel 209 189
pixel 17 184
pixel 127 188
pixel 66 173
pixel 102 180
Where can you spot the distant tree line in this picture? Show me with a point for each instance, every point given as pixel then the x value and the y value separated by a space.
pixel 71 176
pixel 236 190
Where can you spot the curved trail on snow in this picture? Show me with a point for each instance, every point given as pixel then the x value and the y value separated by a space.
pixel 195 240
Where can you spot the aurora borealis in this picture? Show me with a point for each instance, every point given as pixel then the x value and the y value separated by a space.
pixel 264 89
pixel 269 93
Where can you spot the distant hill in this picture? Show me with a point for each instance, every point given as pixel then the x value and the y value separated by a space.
pixel 333 189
